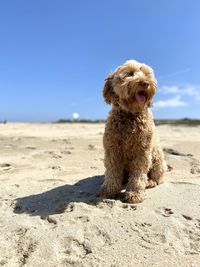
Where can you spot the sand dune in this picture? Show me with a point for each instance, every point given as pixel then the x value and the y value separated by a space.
pixel 50 215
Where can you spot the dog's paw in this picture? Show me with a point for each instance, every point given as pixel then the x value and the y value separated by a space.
pixel 107 192
pixel 151 183
pixel 132 197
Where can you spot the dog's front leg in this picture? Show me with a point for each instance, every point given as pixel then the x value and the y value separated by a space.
pixel 135 188
pixel 113 178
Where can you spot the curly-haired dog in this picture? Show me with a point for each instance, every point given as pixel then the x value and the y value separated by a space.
pixel 132 151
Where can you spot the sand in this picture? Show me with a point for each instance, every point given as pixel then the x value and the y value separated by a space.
pixel 50 215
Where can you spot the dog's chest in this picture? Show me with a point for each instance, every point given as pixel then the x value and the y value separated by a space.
pixel 133 133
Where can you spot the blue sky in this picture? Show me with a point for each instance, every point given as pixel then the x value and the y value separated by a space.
pixel 55 55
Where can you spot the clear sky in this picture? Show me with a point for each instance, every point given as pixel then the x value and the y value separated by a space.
pixel 55 55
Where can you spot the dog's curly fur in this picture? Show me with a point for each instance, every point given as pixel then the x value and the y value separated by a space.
pixel 133 157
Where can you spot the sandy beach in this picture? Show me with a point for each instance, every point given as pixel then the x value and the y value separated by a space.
pixel 50 215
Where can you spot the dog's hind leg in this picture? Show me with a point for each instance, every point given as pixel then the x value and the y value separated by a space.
pixel 158 168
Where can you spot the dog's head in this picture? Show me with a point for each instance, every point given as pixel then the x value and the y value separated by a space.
pixel 131 87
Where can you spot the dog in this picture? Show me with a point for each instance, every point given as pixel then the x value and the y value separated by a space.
pixel 134 159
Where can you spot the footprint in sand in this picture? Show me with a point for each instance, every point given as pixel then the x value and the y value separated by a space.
pixel 6 166
pixel 172 151
pixel 55 168
pixel 83 218
pixel 91 147
pixel 30 147
pixel 75 250
pixel 197 224
pixel 54 154
pixel 66 141
pixel 193 239
pixel 187 217
pixel 66 152
pixel 93 168
pixel 180 236
pixel 49 219
pixel 165 212
pixel 25 245
pixel 195 166
pixel 58 155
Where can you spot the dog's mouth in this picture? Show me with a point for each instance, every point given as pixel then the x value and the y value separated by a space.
pixel 141 97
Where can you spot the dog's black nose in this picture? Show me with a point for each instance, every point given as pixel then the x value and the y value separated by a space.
pixel 144 84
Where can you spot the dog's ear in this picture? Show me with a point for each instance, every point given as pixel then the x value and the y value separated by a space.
pixel 108 89
pixel 150 104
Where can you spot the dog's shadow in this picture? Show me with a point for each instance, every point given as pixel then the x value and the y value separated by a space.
pixel 56 200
